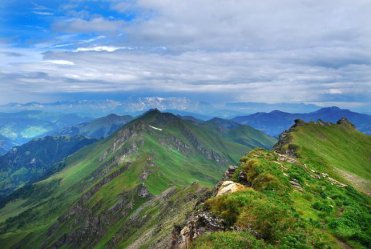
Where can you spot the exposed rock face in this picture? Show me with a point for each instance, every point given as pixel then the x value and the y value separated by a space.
pixel 345 122
pixel 242 177
pixel 143 191
pixel 196 225
pixel 201 220
pixel 229 187
pixel 299 122
pixel 87 225
pixel 229 172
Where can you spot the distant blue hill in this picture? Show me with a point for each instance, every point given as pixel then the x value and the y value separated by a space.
pixel 275 122
pixel 96 128
pixel 20 127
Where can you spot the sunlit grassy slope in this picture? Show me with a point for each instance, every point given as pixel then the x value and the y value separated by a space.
pixel 302 201
pixel 338 148
pixel 316 212
pixel 127 189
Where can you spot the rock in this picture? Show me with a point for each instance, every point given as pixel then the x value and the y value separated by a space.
pixel 229 172
pixel 345 122
pixel 299 122
pixel 196 225
pixel 143 191
pixel 242 178
pixel 229 187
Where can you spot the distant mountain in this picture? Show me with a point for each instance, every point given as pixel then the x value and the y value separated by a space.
pixel 303 194
pixel 275 122
pixel 5 145
pixel 97 128
pixel 242 134
pixel 130 189
pixel 36 159
pixel 135 105
pixel 129 105
pixel 21 127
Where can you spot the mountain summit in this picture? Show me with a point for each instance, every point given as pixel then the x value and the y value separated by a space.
pixel 141 180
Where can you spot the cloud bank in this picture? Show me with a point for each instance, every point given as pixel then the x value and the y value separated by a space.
pixel 247 51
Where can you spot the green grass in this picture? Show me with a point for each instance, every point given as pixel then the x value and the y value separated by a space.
pixel 26 219
pixel 341 150
pixel 319 214
pixel 230 240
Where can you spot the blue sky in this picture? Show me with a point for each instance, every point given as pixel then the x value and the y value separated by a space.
pixel 292 51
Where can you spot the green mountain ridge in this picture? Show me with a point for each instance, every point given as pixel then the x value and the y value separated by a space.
pixel 339 149
pixel 290 197
pixel 129 189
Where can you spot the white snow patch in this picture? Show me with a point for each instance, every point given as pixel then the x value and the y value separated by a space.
pixel 159 129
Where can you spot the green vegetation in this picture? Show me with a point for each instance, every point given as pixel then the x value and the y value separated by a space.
pixel 35 160
pixel 295 202
pixel 339 149
pixel 129 189
pixel 230 240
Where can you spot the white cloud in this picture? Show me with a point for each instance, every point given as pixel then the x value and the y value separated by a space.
pixel 43 13
pixel 60 62
pixel 98 49
pixel 268 51
pixel 241 24
pixel 335 91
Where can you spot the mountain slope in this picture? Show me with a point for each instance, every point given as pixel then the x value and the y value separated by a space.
pixel 29 162
pixel 97 128
pixel 338 148
pixel 275 122
pixel 127 190
pixel 289 198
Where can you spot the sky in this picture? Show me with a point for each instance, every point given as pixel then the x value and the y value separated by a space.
pixel 268 51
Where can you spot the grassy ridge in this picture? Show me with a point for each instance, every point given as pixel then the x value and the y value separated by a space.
pixel 339 149
pixel 316 212
pixel 109 188
pixel 299 202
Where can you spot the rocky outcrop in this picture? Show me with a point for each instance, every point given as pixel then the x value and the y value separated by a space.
pixel 196 225
pixel 345 122
pixel 143 191
pixel 230 172
pixel 229 187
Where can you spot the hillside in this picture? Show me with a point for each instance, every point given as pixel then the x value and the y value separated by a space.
pixel 97 128
pixel 275 122
pixel 292 197
pixel 336 148
pixel 36 159
pixel 127 190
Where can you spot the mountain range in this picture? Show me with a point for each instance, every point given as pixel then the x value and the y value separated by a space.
pixel 129 189
pixel 136 105
pixel 20 127
pixel 275 122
